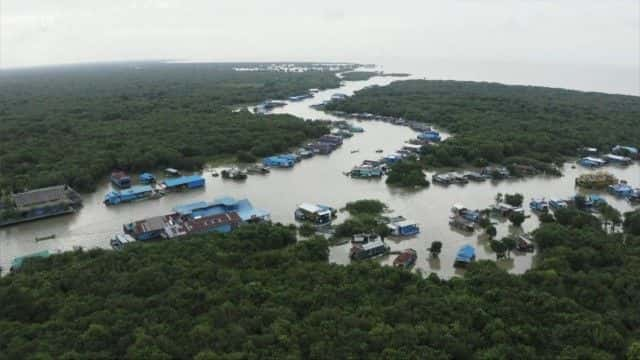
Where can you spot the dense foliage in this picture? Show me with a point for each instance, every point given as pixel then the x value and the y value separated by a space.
pixel 366 206
pixel 365 217
pixel 359 75
pixel 502 124
pixel 74 124
pixel 255 294
pixel 407 173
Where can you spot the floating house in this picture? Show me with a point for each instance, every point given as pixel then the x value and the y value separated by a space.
pixel 356 129
pixel 184 182
pixel 278 161
pixel 368 250
pixel 617 159
pixel 314 213
pixel 331 139
pixel 539 205
pixel 17 263
pixel 404 228
pixel 134 193
pixel 234 174
pixel 635 196
pixel 321 148
pixel 466 254
pixel 458 178
pixel 505 210
pixel 467 214
pixel 621 190
pixel 338 97
pixel 304 153
pixel 474 176
pixel 366 171
pixel 392 159
pixel 243 208
pixel 626 151
pixel 42 203
pixel 293 157
pixel 589 151
pixel 524 244
pixel 364 238
pixel 300 97
pixel 258 169
pixel 461 223
pixel 442 179
pixel 147 178
pixel 406 259
pixel 146 229
pixel 430 135
pixel 556 204
pixel 592 162
pixel 495 172
pixel 593 201
pixel 120 179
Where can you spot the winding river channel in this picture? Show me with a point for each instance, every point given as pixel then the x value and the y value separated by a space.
pixel 321 180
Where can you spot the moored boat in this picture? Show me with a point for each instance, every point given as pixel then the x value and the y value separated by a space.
pixel 406 259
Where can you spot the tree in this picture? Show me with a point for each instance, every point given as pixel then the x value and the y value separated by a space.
pixel 633 353
pixel 491 231
pixel 509 245
pixel 498 198
pixel 514 199
pixel 306 230
pixel 516 218
pixel 435 248
pixel 499 248
pixel 631 222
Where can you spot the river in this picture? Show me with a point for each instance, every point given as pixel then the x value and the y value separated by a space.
pixel 321 180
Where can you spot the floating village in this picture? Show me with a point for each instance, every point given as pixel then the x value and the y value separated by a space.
pixel 223 214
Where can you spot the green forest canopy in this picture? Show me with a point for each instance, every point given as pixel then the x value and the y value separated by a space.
pixel 494 123
pixel 256 293
pixel 73 124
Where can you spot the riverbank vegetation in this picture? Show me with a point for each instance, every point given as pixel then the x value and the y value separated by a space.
pixel 256 293
pixel 74 124
pixel 494 123
pixel 408 174
pixel 359 75
pixel 365 217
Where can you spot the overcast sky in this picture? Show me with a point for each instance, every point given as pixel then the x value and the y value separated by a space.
pixel 575 32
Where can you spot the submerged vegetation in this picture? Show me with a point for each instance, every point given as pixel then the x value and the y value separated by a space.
pixel 407 174
pixel 359 75
pixel 74 124
pixel 255 293
pixel 494 123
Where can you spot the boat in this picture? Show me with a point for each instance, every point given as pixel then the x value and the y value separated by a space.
pixel 233 174
pixel 403 228
pixel 119 241
pixel 474 176
pixel 458 178
pixel 214 173
pixel 442 179
pixel 368 250
pixel 364 238
pixel 539 205
pixel 556 204
pixel 138 192
pixel 406 259
pixel 379 151
pixel 355 151
pixel 43 238
pixel 366 171
pixel 172 172
pixel 258 169
pixel 466 254
pixel 304 153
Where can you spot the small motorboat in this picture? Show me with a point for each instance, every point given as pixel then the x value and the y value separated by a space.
pixel 215 173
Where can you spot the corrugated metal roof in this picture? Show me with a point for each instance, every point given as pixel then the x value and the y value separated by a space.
pixel 39 196
pixel 183 180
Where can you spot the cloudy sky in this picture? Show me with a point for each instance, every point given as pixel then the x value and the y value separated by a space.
pixel 576 33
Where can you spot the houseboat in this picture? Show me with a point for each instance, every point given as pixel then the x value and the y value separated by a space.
pixel 474 176
pixel 539 205
pixel 338 97
pixel 356 129
pixel 556 204
pixel 41 203
pixel 467 214
pixel 366 171
pixel 461 223
pixel 505 210
pixel 622 190
pixel 458 178
pixel 364 238
pixel 182 183
pixel 331 139
pixel 635 196
pixel 304 153
pixel 466 254
pixel 258 169
pixel 406 259
pixel 278 162
pixel 233 174
pixel 134 193
pixel 314 213
pixel 368 250
pixel 495 172
pixel 403 228
pixel 119 241
pixel 147 178
pixel 430 135
pixel 442 179
pixel 617 159
pixel 120 179
pixel 592 162
pixel 629 151
pixel 392 159
pixel 524 244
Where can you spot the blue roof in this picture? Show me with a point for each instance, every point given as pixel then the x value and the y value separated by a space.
pixel 147 176
pixel 466 253
pixel 221 205
pixel 183 180
pixel 17 262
